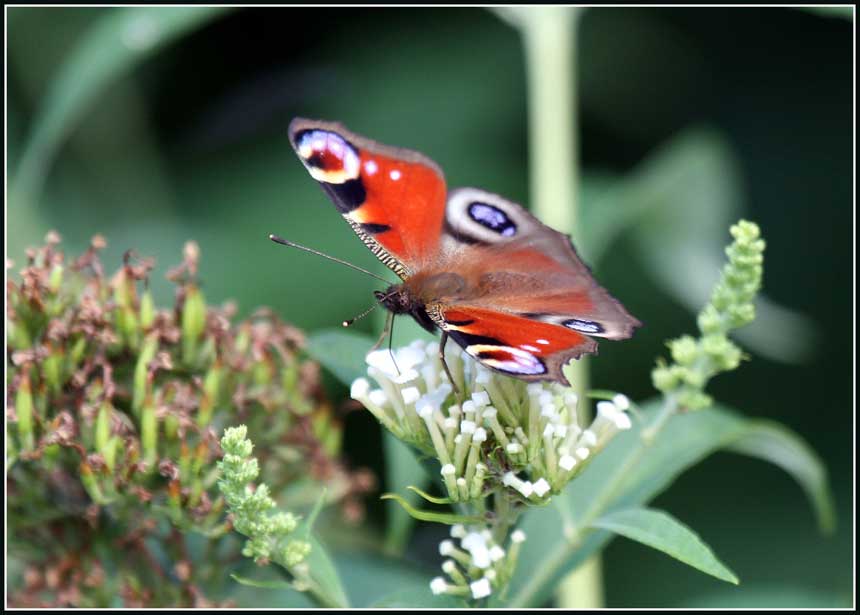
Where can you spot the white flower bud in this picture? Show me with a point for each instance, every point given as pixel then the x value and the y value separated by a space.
pixel 622 421
pixel 378 397
pixel 481 398
pixel 496 553
pixel 566 463
pixel 360 388
pixel 622 402
pixel 410 395
pixel 481 589
pixel 438 586
pixel 541 488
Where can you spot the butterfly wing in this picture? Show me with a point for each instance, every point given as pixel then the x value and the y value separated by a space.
pixel 393 198
pixel 514 345
pixel 530 301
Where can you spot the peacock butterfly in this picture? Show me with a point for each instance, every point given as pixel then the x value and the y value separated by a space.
pixel 508 289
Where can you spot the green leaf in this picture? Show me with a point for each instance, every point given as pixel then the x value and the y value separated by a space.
pixel 116 42
pixel 551 549
pixel 370 577
pixel 434 517
pixel 324 574
pixel 322 569
pixel 401 470
pixel 341 352
pixel 770 441
pixel 663 532
pixel 412 599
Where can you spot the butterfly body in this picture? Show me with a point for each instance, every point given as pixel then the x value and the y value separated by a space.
pixel 508 289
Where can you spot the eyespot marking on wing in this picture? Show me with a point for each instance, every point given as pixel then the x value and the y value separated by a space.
pixel 507 359
pixel 493 218
pixel 328 157
pixel 474 216
pixel 584 326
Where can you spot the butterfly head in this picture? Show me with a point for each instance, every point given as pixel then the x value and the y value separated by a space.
pixel 398 299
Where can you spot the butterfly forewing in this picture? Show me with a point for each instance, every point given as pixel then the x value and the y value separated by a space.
pixel 393 198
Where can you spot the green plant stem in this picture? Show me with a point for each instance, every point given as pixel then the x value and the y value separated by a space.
pixel 549 36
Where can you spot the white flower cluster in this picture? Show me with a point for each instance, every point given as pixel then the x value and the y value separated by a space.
pixel 527 435
pixel 477 565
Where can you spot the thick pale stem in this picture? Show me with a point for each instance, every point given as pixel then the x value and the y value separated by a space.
pixel 549 35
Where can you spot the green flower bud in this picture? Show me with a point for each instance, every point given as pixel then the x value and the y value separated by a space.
pixel 141 371
pixel 211 393
pixel 24 412
pixel 149 433
pixel 684 350
pixel 193 321
pixel 709 320
pixel 694 400
pixel 56 278
pixel 147 310
pixel 110 451
pixel 76 354
pixel 102 427
pixel 694 377
pixel 295 552
pixel 52 370
pixel 19 337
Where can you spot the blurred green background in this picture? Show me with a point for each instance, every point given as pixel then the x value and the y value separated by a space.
pixel 153 126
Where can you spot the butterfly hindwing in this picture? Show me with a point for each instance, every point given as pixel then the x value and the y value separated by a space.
pixel 528 268
pixel 513 345
pixel 393 198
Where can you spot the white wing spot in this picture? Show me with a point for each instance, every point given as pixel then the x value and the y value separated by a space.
pixel 370 167
pixel 394 175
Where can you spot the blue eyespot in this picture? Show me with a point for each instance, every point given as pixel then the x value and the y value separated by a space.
pixel 583 326
pixel 492 218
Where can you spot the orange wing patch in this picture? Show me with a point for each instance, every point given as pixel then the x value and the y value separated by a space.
pixel 393 198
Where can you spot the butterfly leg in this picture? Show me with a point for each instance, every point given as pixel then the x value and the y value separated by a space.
pixel 387 330
pixel 445 365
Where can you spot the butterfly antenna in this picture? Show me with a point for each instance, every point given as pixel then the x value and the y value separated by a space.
pixel 285 242
pixel 348 323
